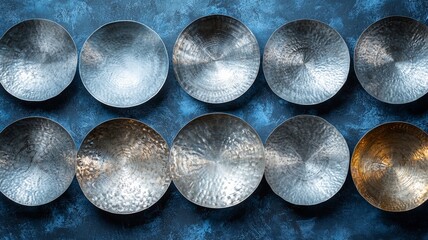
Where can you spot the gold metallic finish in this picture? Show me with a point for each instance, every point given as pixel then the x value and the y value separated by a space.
pixel 390 167
pixel 122 166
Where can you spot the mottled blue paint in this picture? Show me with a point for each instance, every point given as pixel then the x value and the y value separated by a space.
pixel 261 216
pixel 336 22
pixel 368 6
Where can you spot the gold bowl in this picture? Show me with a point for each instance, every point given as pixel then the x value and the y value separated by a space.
pixel 390 166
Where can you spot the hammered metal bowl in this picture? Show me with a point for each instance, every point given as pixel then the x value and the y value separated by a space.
pixel 307 160
pixel 390 167
pixel 391 59
pixel 122 166
pixel 37 161
pixel 124 64
pixel 306 62
pixel 38 60
pixel 217 160
pixel 216 59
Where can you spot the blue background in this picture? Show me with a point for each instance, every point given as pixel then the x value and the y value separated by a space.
pixel 263 215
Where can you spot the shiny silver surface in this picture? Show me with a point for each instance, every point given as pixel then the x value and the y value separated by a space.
pixel 389 167
pixel 38 60
pixel 391 60
pixel 122 166
pixel 123 64
pixel 216 59
pixel 217 160
pixel 306 62
pixel 37 161
pixel 307 160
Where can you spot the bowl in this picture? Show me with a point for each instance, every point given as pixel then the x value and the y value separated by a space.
pixel 122 166
pixel 307 160
pixel 217 160
pixel 216 59
pixel 123 64
pixel 391 59
pixel 38 60
pixel 389 166
pixel 306 62
pixel 37 161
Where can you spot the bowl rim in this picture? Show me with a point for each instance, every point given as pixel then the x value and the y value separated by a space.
pixel 74 156
pixel 75 62
pixel 127 21
pixel 348 153
pixel 167 166
pixel 224 16
pixel 356 48
pixel 269 42
pixel 354 152
pixel 226 115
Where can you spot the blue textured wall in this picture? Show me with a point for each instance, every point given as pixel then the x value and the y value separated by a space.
pixel 263 215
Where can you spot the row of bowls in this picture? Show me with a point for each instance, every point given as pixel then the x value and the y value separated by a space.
pixel 216 59
pixel 216 160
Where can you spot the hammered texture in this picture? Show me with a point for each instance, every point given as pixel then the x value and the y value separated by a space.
pixel 391 60
pixel 390 167
pixel 38 60
pixel 306 62
pixel 307 160
pixel 37 161
pixel 122 166
pixel 124 64
pixel 217 161
pixel 216 59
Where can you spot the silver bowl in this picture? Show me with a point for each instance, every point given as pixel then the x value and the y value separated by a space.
pixel 123 64
pixel 122 166
pixel 391 60
pixel 306 62
pixel 217 160
pixel 38 60
pixel 216 59
pixel 37 161
pixel 389 166
pixel 307 160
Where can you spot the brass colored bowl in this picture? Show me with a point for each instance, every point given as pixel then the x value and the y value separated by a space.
pixel 217 160
pixel 306 62
pixel 124 64
pixel 216 59
pixel 391 60
pixel 307 160
pixel 38 60
pixel 390 167
pixel 122 166
pixel 37 161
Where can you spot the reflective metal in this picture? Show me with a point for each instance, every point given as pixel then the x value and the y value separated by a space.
pixel 37 161
pixel 122 166
pixel 217 160
pixel 307 160
pixel 391 59
pixel 216 59
pixel 390 166
pixel 306 62
pixel 38 60
pixel 124 64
